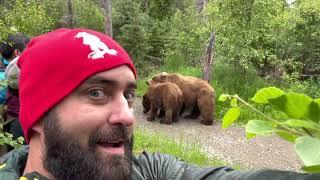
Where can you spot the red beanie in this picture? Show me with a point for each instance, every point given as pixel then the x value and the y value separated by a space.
pixel 56 63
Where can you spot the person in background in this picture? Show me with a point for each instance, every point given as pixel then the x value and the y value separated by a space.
pixel 76 90
pixel 11 51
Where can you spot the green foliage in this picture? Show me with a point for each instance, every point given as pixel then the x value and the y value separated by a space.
pixel 231 115
pixel 88 15
pixel 186 36
pixel 307 33
pixel 307 149
pixel 130 30
pixel 231 79
pixel 142 87
pixel 174 62
pixel 301 125
pixel 54 9
pixel 160 9
pixel 6 138
pixel 28 17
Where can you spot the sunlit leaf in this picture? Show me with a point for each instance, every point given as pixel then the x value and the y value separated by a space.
pixel 312 169
pixel 296 123
pixel 250 135
pixel 234 102
pixel 231 115
pixel 263 95
pixel 286 135
pixel 259 127
pixel 308 149
pixel 223 97
pixel 293 104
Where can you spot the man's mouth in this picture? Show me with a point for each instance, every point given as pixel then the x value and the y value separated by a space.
pixel 112 147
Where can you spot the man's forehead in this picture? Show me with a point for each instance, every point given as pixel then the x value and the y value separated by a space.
pixel 111 80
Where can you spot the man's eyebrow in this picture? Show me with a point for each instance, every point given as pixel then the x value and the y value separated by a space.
pixel 102 80
pixel 132 85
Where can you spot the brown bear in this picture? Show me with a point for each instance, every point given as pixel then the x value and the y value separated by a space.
pixel 197 93
pixel 164 97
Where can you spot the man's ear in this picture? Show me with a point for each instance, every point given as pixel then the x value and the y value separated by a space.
pixel 38 127
pixel 16 53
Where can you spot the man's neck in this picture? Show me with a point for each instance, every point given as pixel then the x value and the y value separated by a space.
pixel 35 156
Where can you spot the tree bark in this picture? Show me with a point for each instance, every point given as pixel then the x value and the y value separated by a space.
pixel 107 11
pixel 70 14
pixel 146 6
pixel 208 59
pixel 200 5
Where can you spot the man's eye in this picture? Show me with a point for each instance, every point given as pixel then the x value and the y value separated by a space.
pixel 129 96
pixel 97 93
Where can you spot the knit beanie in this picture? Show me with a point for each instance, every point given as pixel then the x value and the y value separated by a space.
pixel 56 63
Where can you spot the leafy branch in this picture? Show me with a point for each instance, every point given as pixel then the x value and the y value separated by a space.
pixel 301 126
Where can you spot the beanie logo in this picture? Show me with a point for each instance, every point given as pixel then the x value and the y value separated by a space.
pixel 96 45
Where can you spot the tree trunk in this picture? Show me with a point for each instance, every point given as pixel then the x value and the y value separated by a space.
pixel 70 14
pixel 146 6
pixel 200 5
pixel 107 9
pixel 208 59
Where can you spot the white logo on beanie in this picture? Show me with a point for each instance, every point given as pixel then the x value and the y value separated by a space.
pixel 97 46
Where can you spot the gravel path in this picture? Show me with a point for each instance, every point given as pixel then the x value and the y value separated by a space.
pixel 229 145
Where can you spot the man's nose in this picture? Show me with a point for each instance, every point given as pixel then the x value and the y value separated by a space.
pixel 120 112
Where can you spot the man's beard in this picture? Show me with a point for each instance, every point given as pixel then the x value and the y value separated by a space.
pixel 65 158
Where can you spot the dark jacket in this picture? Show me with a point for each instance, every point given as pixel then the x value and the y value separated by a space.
pixel 13 102
pixel 157 166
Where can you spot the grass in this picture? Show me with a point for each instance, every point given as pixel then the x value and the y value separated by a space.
pixel 145 141
pixel 231 79
pixel 226 79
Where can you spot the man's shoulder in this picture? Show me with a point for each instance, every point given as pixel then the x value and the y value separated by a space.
pixel 12 162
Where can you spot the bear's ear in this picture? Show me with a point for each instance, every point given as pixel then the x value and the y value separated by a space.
pixel 163 74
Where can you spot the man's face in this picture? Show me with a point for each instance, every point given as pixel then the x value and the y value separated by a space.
pixel 89 134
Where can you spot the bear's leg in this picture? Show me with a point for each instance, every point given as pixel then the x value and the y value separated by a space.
pixel 153 113
pixel 176 112
pixel 175 117
pixel 194 113
pixel 161 113
pixel 168 118
pixel 206 107
pixel 187 110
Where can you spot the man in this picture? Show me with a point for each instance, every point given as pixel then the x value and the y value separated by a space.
pixel 11 50
pixel 76 89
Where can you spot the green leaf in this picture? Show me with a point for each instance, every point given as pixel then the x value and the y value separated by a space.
pixel 312 169
pixel 308 149
pixel 223 97
pixel 234 102
pixel 293 104
pixel 279 103
pixel 314 111
pixel 250 135
pixel 231 115
pixel 259 127
pixel 297 105
pixel 286 135
pixel 263 95
pixel 296 123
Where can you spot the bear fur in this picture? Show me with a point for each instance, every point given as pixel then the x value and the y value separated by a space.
pixel 197 93
pixel 163 97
